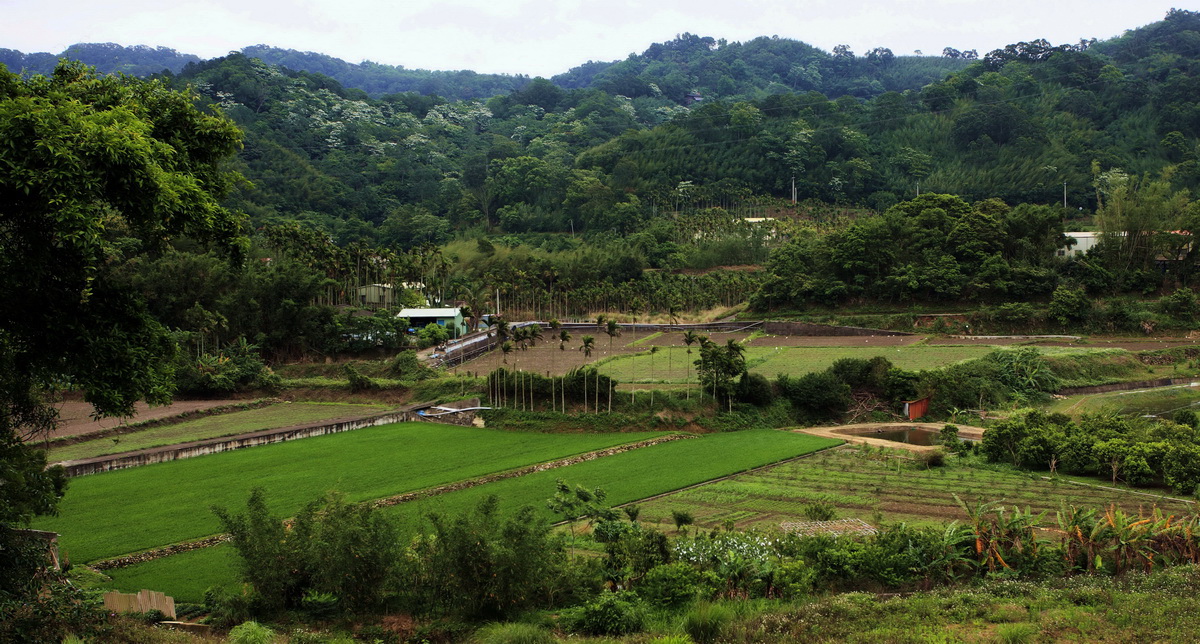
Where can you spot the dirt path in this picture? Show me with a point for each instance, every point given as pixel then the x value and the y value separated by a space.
pixel 861 433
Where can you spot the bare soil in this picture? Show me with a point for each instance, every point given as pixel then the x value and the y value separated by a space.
pixel 861 433
pixel 75 416
pixel 547 358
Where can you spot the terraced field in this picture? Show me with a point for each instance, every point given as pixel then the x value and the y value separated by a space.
pixel 872 487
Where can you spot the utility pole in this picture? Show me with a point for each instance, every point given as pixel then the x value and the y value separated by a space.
pixel 793 188
pixel 1064 195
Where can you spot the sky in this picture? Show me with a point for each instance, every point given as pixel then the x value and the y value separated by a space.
pixel 548 37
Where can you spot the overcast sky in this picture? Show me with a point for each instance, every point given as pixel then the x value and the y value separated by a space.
pixel 548 37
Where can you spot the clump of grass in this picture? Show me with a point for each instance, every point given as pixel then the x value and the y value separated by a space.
pixel 513 633
pixel 706 622
pixel 1019 633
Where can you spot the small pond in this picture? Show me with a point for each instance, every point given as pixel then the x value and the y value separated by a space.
pixel 910 435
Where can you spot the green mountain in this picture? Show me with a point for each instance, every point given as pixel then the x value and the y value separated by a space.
pixel 107 58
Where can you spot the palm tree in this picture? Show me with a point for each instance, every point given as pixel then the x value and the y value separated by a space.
pixel 613 330
pixel 564 336
pixel 533 333
pixel 507 348
pixel 589 343
pixel 689 338
pixel 653 350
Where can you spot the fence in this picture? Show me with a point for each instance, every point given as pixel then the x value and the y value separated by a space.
pixel 143 602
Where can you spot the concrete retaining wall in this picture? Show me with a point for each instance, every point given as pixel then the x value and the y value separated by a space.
pixel 228 443
pixel 810 329
pixel 264 437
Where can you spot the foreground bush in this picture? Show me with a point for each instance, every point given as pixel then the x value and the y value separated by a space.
pixel 344 550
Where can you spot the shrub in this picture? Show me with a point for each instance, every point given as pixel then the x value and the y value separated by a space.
pixel 433 334
pixel 706 622
pixel 681 518
pixel 1181 305
pixel 933 458
pixel 610 614
pixel 608 531
pixel 226 609
pixel 795 579
pixel 754 389
pixel 357 381
pixel 1069 306
pixel 333 547
pixel 819 511
pixel 251 633
pixel 237 367
pixel 319 605
pixel 480 565
pixel 670 584
pixel 948 437
pixel 815 396
pixel 57 610
pixel 513 633
pixel 852 371
pixel 406 366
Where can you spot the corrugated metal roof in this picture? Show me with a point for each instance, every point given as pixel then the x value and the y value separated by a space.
pixel 428 313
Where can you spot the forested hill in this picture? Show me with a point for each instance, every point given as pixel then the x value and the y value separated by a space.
pixel 107 58
pixel 719 69
pixel 688 65
pixel 378 80
pixel 1016 124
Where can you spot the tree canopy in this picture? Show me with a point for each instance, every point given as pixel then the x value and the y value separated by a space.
pixel 98 172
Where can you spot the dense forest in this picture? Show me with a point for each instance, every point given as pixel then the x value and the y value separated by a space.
pixel 632 186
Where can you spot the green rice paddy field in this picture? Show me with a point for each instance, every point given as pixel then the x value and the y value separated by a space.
pixel 231 424
pixel 116 513
pixel 625 477
pixel 867 486
pixel 669 364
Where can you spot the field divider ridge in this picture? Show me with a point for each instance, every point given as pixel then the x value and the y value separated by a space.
pixel 216 540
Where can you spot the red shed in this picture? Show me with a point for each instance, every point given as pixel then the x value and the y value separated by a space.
pixel 915 409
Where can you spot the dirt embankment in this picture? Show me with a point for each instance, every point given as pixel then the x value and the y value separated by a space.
pixel 75 416
pixel 861 433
